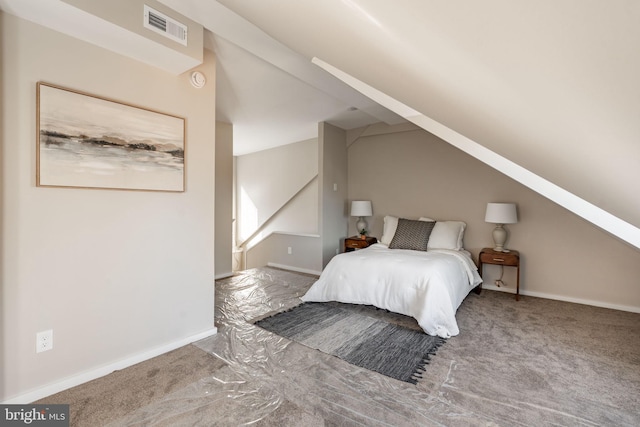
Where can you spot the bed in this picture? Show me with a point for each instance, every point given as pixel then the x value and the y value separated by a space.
pixel 427 281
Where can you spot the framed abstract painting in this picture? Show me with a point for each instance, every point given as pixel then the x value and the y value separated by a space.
pixel 92 142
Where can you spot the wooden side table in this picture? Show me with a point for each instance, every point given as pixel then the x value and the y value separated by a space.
pixel 356 242
pixel 510 259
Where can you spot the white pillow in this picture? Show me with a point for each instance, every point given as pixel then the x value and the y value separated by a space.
pixel 446 235
pixel 389 229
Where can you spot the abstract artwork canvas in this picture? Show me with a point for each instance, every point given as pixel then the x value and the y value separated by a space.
pixel 92 142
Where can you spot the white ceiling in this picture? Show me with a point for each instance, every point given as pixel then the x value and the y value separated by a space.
pixel 270 107
pixel 271 94
pixel 551 86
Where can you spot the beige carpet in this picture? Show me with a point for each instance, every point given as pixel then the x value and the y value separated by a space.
pixel 120 393
pixel 528 363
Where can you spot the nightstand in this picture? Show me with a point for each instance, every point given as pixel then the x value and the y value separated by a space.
pixel 510 259
pixel 355 242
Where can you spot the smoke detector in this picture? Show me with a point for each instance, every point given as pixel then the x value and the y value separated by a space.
pixel 197 79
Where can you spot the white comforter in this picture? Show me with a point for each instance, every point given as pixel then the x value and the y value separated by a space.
pixel 428 286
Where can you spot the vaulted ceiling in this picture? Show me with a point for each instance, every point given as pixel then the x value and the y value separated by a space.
pixel 545 91
pixel 547 87
pixel 272 94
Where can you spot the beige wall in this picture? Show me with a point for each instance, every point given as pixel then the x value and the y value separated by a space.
pixel 273 250
pixel 224 199
pixel 267 181
pixel 115 274
pixel 3 225
pixel 413 174
pixel 333 191
pixel 277 194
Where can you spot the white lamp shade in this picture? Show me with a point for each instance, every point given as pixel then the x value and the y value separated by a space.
pixel 361 208
pixel 501 213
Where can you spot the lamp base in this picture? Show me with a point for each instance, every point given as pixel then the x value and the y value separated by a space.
pixel 499 237
pixel 361 225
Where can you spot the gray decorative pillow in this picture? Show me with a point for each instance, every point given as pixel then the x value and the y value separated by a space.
pixel 412 234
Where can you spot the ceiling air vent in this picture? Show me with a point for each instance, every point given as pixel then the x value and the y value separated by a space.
pixel 162 24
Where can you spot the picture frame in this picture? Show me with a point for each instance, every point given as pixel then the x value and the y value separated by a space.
pixel 88 141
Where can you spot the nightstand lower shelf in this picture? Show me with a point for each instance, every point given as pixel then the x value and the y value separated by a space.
pixel 509 259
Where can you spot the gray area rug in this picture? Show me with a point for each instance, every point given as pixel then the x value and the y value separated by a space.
pixel 386 348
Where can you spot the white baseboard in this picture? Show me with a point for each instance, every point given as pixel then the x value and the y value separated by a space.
pixel 101 371
pixel 223 275
pixel 563 298
pixel 297 269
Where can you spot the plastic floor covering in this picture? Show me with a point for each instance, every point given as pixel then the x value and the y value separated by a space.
pixel 270 380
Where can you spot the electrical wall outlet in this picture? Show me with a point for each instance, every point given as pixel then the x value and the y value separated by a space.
pixel 289 251
pixel 44 341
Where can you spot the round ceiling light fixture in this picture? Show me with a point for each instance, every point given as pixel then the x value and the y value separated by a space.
pixel 198 80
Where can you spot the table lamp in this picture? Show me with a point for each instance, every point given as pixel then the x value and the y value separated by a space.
pixel 500 214
pixel 361 208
